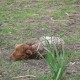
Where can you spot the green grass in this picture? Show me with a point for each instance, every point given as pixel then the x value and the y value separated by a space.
pixel 24 14
pixel 75 76
pixel 12 68
pixel 61 33
pixel 45 77
pixel 8 30
pixel 57 63
pixel 67 1
pixel 13 26
pixel 61 12
pixel 75 55
pixel 72 39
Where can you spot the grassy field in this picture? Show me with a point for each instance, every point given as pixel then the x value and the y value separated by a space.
pixel 21 20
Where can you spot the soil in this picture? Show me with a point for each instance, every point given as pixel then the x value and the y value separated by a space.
pixel 40 66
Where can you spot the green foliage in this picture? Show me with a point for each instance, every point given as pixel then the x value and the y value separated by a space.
pixel 56 61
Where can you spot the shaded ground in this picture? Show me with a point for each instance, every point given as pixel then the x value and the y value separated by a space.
pixel 22 20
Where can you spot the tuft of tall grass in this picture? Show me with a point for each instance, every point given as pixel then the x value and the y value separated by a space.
pixel 56 61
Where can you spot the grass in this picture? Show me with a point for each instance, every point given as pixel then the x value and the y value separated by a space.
pixel 57 63
pixel 14 28
pixel 67 1
pixel 72 76
pixel 73 39
pixel 12 70
pixel 61 12
pixel 45 77
pixel 8 30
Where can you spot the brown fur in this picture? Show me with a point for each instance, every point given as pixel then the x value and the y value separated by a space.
pixel 27 50
pixel 30 50
pixel 21 51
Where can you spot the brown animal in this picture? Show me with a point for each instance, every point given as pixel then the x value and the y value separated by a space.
pixel 27 50
pixel 30 50
pixel 20 52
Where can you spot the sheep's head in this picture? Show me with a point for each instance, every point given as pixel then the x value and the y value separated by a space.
pixel 21 51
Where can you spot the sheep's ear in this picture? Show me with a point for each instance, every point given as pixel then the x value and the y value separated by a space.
pixel 29 52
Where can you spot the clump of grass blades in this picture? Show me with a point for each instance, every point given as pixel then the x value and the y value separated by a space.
pixel 57 63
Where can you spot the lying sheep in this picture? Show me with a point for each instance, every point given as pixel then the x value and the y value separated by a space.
pixel 36 46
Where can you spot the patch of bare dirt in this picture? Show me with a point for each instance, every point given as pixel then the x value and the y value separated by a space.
pixel 74 67
pixel 74 46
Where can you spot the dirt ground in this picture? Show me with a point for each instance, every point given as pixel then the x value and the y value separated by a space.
pixel 39 67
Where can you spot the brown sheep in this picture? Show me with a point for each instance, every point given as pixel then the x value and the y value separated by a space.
pixel 30 50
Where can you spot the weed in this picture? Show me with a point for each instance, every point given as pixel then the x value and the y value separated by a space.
pixel 56 61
